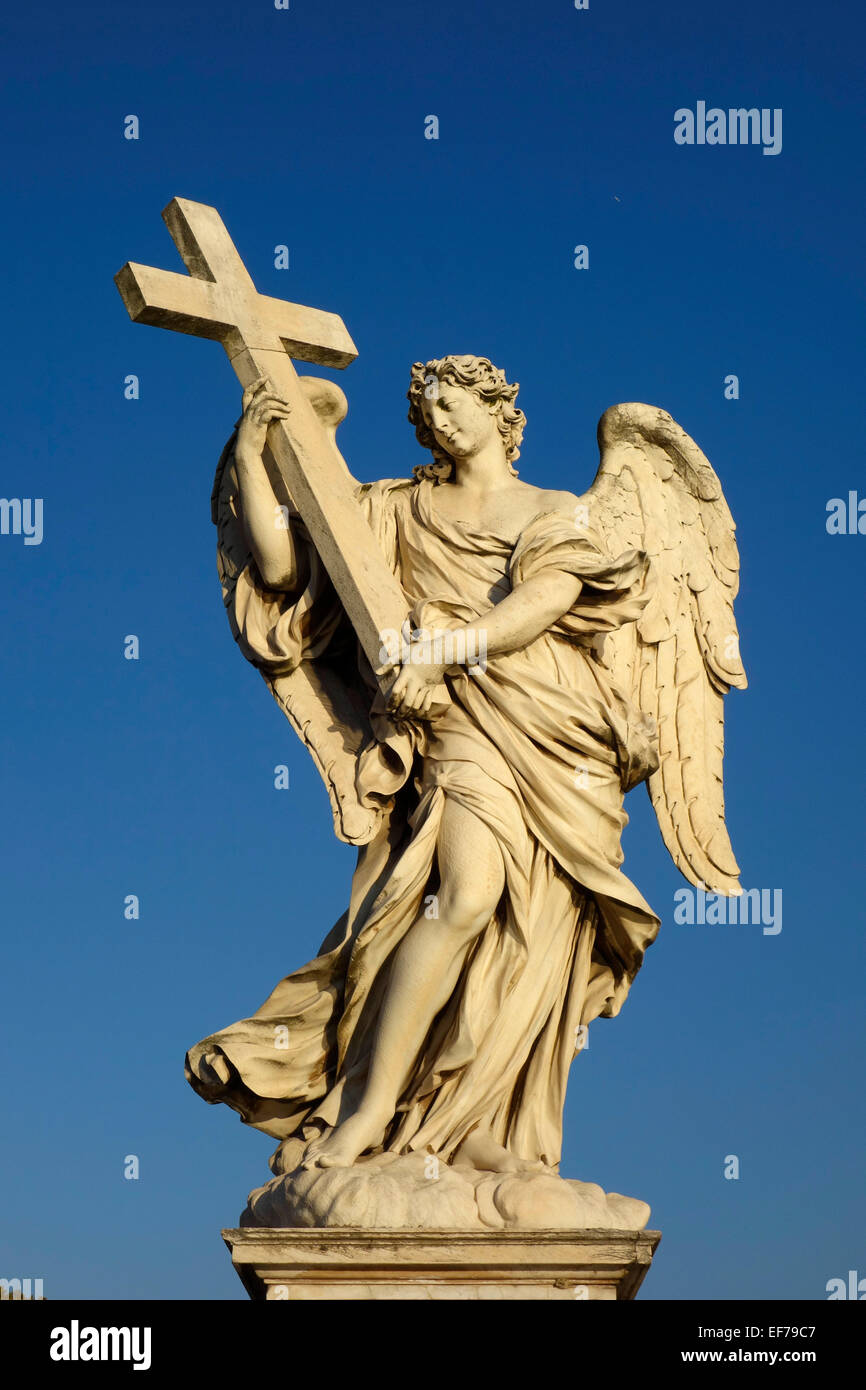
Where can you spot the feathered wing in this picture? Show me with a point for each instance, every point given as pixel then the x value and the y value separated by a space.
pixel 320 697
pixel 655 491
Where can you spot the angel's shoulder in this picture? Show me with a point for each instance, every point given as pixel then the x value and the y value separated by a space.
pixel 549 517
pixel 384 497
pixel 384 487
pixel 554 500
pixel 554 504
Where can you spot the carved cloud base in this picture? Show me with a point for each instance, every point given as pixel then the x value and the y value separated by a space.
pixel 416 1192
pixel 338 1264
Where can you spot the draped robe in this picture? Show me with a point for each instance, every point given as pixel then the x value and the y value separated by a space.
pixel 541 746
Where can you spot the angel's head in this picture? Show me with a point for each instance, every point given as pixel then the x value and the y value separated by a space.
pixel 456 404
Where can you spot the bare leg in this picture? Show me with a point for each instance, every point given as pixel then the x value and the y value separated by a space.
pixel 424 973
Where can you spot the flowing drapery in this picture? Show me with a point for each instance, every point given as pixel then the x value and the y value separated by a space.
pixel 541 746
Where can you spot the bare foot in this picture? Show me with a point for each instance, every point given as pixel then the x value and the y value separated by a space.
pixel 481 1151
pixel 340 1147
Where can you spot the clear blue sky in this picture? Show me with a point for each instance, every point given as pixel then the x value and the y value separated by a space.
pixel 305 127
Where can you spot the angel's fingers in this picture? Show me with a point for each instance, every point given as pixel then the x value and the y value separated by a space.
pixel 264 408
pixel 251 390
pixel 262 389
pixel 410 699
pixel 387 666
pixel 397 703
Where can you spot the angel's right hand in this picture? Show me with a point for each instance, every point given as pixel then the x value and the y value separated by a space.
pixel 261 405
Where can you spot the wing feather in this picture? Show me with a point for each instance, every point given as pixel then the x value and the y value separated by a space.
pixel 656 491
pixel 326 710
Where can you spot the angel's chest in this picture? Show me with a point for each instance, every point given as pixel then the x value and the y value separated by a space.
pixel 463 566
pixel 500 523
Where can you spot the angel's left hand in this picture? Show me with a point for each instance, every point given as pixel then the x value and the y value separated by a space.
pixel 412 693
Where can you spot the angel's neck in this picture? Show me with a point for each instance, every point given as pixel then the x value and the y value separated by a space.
pixel 484 470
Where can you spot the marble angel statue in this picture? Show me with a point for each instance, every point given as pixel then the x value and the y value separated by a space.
pixel 586 643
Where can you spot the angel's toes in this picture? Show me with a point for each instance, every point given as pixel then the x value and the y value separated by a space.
pixel 311 1154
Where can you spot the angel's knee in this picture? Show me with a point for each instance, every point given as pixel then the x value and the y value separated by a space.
pixel 466 907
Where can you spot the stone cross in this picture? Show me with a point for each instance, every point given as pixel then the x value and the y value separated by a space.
pixel 260 335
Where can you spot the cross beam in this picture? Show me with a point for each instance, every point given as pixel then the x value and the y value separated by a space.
pixel 260 335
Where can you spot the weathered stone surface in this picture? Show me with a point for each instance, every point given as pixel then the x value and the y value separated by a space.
pixel 482 669
pixel 335 1265
pixel 414 1191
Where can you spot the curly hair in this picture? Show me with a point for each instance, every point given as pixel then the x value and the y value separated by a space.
pixel 487 383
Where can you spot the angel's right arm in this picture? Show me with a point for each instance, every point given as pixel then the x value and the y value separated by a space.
pixel 266 525
pixel 268 532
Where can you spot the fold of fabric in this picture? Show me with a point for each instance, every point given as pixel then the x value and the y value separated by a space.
pixel 540 745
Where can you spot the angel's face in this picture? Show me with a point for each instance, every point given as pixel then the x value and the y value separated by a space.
pixel 460 423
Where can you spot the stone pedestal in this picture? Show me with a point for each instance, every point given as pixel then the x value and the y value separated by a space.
pixel 334 1263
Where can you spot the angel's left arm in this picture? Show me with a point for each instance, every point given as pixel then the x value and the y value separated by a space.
pixel 533 605
pixel 524 614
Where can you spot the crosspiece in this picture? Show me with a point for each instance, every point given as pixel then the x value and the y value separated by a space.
pixel 218 300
